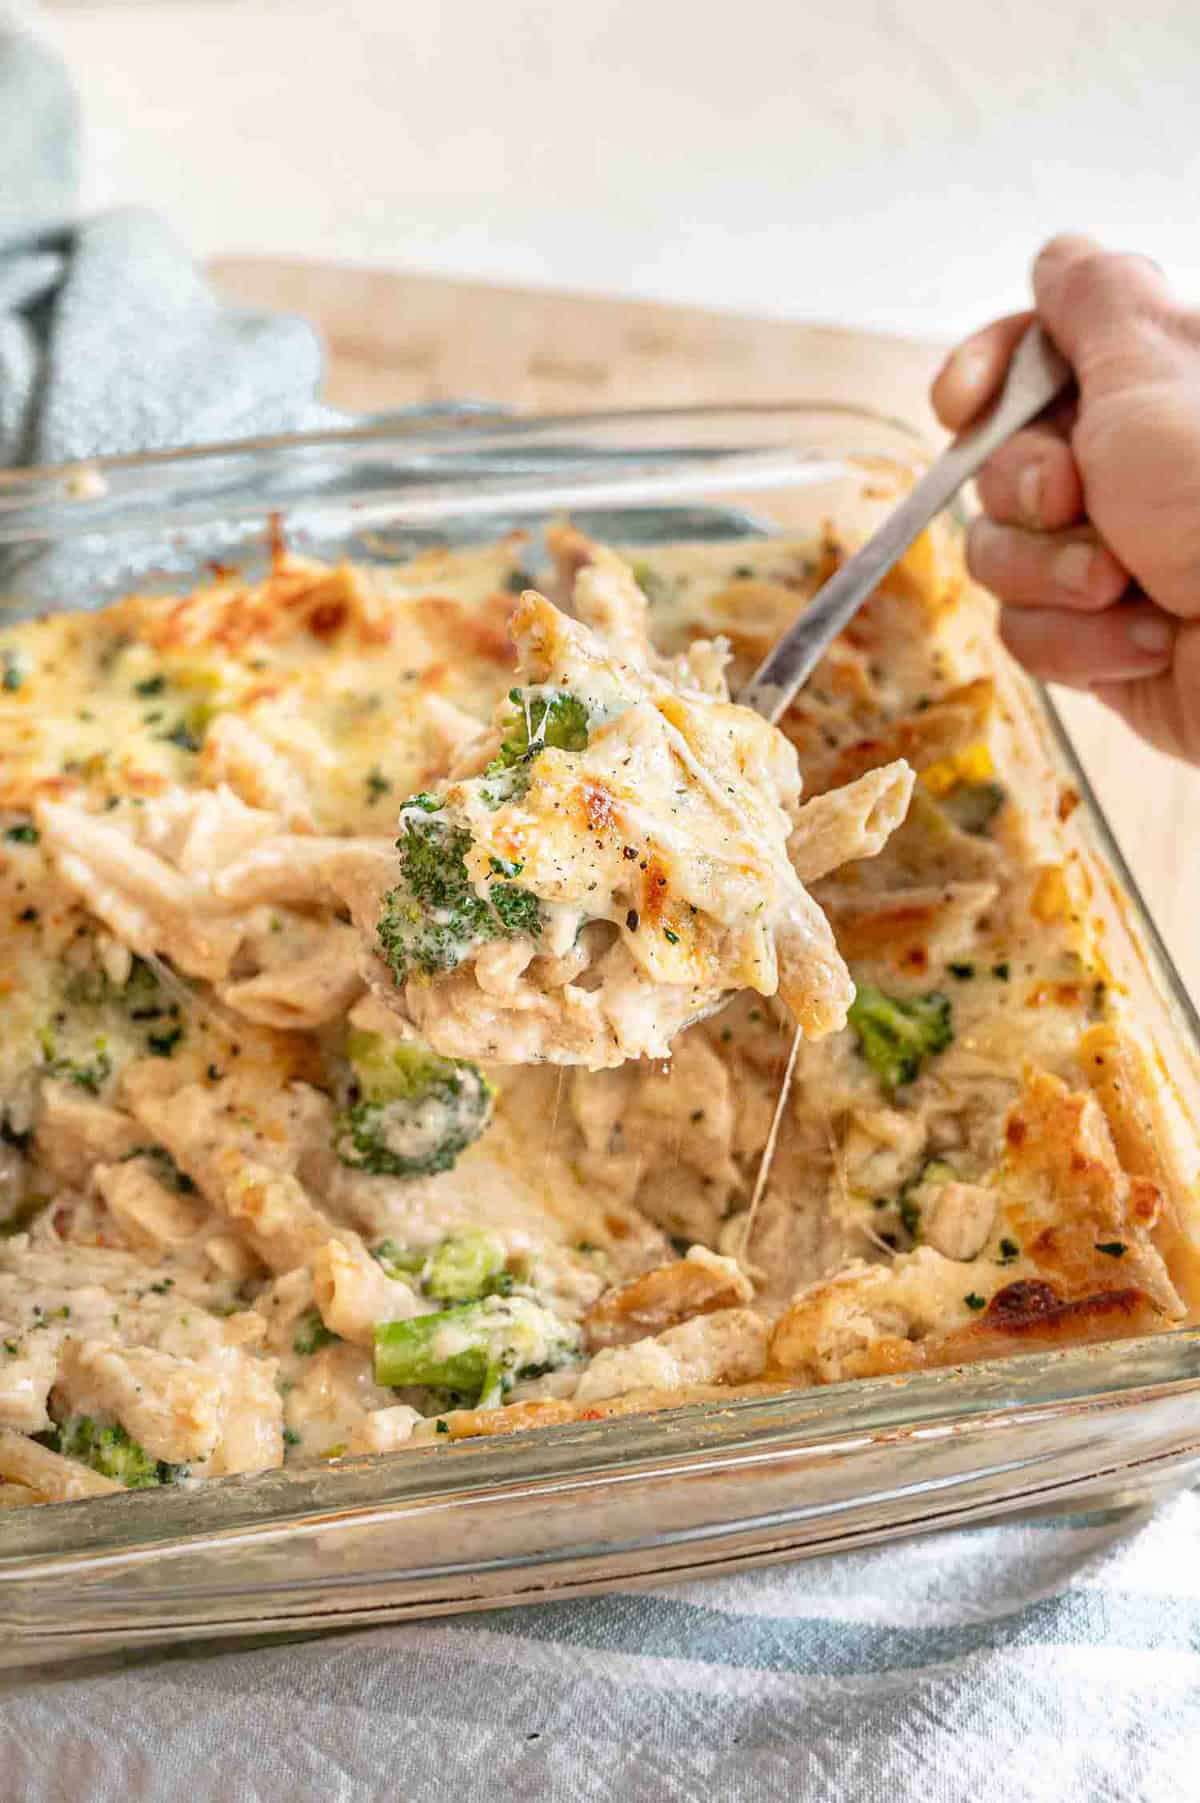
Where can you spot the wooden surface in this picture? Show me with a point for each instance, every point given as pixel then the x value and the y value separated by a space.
pixel 397 338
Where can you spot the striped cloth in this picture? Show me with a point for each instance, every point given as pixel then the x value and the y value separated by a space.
pixel 1057 1658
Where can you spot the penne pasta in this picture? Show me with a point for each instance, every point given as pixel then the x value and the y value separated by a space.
pixel 310 885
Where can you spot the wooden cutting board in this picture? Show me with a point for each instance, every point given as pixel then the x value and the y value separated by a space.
pixel 394 338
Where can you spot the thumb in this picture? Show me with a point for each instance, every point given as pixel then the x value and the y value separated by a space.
pixel 1095 304
pixel 1164 709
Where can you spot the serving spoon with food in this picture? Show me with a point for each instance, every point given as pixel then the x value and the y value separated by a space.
pixel 548 806
pixel 1036 376
pixel 545 804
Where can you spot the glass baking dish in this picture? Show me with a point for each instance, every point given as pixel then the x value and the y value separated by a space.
pixel 704 1488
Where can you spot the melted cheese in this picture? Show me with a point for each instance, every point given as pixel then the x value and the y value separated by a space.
pixel 168 1161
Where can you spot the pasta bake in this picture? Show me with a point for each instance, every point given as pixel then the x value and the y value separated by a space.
pixel 429 1007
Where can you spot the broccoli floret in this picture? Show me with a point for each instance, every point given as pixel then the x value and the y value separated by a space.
pixel 112 1452
pixel 397 1260
pixel 433 918
pixel 896 1034
pixel 920 1191
pixel 88 1070
pixel 142 996
pixel 89 988
pixel 653 584
pixel 144 1001
pixel 475 1350
pixel 543 717
pixel 465 1268
pixel 189 730
pixel 311 1334
pixel 82 1037
pixel 139 995
pixel 518 910
pixel 973 806
pixel 415 1112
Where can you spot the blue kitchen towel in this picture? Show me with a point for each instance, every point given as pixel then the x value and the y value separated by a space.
pixel 1056 1659
pixel 110 341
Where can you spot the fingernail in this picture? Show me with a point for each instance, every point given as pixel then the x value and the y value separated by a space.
pixel 1030 484
pixel 1073 568
pixel 1151 633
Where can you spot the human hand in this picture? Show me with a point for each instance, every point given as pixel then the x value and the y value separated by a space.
pixel 1090 530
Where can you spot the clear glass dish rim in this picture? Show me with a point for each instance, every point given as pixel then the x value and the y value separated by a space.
pixel 963 1401
pixel 202 483
pixel 411 428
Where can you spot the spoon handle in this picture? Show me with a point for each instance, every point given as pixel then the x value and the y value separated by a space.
pixel 1036 376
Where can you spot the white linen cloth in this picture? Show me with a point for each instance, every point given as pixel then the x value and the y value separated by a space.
pixel 1055 1658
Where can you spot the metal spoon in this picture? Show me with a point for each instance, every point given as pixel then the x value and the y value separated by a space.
pixel 1036 376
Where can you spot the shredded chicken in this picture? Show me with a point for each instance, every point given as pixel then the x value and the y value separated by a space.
pixel 654 845
pixel 250 1214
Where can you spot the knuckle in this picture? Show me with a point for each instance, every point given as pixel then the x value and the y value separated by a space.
pixel 986 543
pixel 1010 487
pixel 995 467
pixel 991 485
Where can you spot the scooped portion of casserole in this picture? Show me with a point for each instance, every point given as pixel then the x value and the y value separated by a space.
pixel 616 854
pixel 278 1184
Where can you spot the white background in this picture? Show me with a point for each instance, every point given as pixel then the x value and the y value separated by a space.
pixel 879 162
